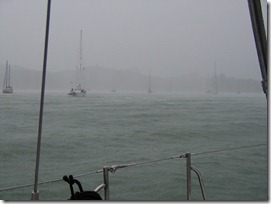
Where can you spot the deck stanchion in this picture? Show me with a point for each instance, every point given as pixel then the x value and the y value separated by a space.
pixel 188 175
pixel 106 182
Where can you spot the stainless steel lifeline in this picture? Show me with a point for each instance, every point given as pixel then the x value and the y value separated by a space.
pixel 114 168
pixel 106 169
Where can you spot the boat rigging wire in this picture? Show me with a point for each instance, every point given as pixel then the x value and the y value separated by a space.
pixel 113 168
pixel 35 193
pixel 224 150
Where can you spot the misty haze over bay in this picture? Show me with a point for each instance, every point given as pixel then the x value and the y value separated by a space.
pixel 98 78
pixel 171 38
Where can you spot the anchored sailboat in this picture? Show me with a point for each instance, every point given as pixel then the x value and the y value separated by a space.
pixel 78 90
pixel 7 88
pixel 150 90
pixel 215 82
pixel 212 84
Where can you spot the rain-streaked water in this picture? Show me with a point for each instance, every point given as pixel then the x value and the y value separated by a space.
pixel 82 135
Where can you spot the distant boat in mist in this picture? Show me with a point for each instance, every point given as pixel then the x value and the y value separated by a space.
pixel 78 90
pixel 7 87
pixel 212 84
pixel 150 90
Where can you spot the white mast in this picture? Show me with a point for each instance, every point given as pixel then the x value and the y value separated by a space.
pixel 81 67
pixel 81 51
pixel 215 82
pixel 9 75
pixel 5 79
pixel 149 91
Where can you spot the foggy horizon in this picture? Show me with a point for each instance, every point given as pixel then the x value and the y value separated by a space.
pixel 97 78
pixel 170 38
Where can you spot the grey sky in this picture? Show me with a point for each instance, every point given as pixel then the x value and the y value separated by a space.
pixel 170 37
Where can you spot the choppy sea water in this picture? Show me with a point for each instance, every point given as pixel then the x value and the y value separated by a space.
pixel 82 135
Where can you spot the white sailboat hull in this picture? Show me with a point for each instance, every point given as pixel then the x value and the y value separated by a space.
pixel 7 90
pixel 77 93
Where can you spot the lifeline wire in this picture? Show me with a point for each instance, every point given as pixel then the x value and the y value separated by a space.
pixel 46 182
pixel 113 168
pixel 224 150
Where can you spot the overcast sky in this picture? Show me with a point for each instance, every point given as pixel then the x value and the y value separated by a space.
pixel 168 37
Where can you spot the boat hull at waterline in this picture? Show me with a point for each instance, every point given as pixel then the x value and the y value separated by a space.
pixel 7 90
pixel 78 91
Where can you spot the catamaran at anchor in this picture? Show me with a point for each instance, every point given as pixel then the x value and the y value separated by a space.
pixel 78 90
pixel 7 88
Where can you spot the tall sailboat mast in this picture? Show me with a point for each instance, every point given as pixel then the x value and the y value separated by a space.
pixel 82 68
pixel 9 75
pixel 81 51
pixel 6 73
pixel 215 78
pixel 149 91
